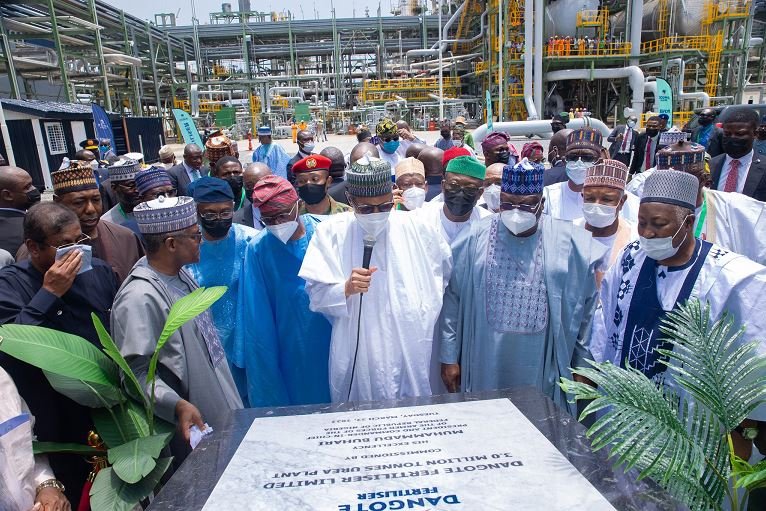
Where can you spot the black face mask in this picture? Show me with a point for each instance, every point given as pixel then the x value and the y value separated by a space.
pixel 235 183
pixel 736 147
pixel 458 202
pixel 216 228
pixel 249 194
pixel 503 157
pixel 33 197
pixel 652 132
pixel 312 193
pixel 445 134
pixel 705 121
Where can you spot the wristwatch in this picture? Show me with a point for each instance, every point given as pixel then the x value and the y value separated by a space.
pixel 747 433
pixel 50 483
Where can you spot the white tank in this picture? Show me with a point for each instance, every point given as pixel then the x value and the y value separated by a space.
pixel 561 17
pixel 684 18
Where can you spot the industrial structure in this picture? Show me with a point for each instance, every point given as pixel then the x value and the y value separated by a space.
pixel 518 59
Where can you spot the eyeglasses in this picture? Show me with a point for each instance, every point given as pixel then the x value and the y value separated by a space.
pixel 223 215
pixel 197 237
pixel 587 158
pixel 80 240
pixel 454 186
pixel 529 208
pixel 153 195
pixel 366 209
pixel 280 218
pixel 389 138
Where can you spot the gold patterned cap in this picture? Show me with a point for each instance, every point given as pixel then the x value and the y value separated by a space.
pixel 608 173
pixel 75 178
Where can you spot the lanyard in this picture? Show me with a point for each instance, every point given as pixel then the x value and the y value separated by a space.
pixel 701 221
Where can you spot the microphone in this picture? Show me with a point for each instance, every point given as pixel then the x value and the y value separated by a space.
pixel 369 243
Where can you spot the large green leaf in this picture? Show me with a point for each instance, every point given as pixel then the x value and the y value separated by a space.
pixel 136 459
pixel 120 424
pixel 111 493
pixel 183 310
pixel 92 395
pixel 59 353
pixel 110 348
pixel 67 448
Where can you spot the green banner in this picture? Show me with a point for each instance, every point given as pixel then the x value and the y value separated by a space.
pixel 665 99
pixel 489 112
pixel 187 127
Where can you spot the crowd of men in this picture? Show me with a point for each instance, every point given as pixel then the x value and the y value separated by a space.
pixel 397 270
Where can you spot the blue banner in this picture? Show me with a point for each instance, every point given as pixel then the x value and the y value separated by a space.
pixel 489 113
pixel 103 127
pixel 187 127
pixel 665 100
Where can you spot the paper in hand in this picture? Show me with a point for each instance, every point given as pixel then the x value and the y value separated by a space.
pixel 196 435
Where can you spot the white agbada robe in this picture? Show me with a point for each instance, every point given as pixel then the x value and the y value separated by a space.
pixel 636 183
pixel 734 221
pixel 399 311
pixel 564 203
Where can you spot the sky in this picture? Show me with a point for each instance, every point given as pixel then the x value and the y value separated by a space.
pixel 146 9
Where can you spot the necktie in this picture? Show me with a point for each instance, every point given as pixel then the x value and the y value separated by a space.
pixel 732 179
pixel 625 139
pixel 195 174
pixel 648 161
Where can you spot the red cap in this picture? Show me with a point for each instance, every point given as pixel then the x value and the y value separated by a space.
pixel 311 163
pixel 454 152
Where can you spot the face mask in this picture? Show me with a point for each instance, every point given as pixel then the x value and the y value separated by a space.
pixel 503 156
pixel 235 183
pixel 662 248
pixel 249 194
pixel 458 202
pixel 652 132
pixel 391 146
pixel 373 223
pixel 631 124
pixel 87 256
pixel 492 197
pixel 413 198
pixel 577 170
pixel 518 221
pixel 216 228
pixel 736 147
pixel 307 148
pixel 704 121
pixel 312 193
pixel 599 215
pixel 446 134
pixel 284 231
pixel 33 197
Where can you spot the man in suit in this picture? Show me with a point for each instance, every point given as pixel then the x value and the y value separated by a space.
pixel 739 169
pixel 337 172
pixel 305 148
pixel 190 169
pixel 623 139
pixel 17 194
pixel 557 149
pixel 247 214
pixel 708 134
pixel 646 146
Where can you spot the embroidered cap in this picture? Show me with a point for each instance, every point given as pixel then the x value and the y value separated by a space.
pixel 264 131
pixel 151 178
pixel 165 214
pixel 671 187
pixel 271 193
pixel 124 170
pixel 386 127
pixel 468 166
pixel 683 156
pixel 585 138
pixel 609 173
pixel 673 136
pixel 524 178
pixel 75 178
pixel 217 146
pixel 493 139
pixel 368 177
pixel 410 166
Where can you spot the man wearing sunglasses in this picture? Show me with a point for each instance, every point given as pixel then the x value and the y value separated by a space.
pixel 518 307
pixel 55 289
pixel 285 345
pixel 222 253
pixel 122 178
pixel 194 383
pixel 381 345
pixel 564 200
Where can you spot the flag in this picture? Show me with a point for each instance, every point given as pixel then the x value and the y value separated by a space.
pixel 489 113
pixel 665 99
pixel 103 126
pixel 187 127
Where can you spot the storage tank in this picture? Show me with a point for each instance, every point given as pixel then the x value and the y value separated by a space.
pixel 684 17
pixel 560 18
pixel 226 8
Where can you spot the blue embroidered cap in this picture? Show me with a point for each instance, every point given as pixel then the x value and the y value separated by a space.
pixel 151 178
pixel 124 170
pixel 524 178
pixel 165 214
pixel 264 131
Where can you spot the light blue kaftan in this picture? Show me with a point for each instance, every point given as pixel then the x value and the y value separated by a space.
pixel 274 156
pixel 284 345
pixel 220 264
pixel 517 311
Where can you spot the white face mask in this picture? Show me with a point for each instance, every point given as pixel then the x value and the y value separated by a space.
pixel 413 198
pixel 307 148
pixel 373 223
pixel 660 249
pixel 283 231
pixel 492 197
pixel 518 221
pixel 577 170
pixel 599 215
pixel 631 124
